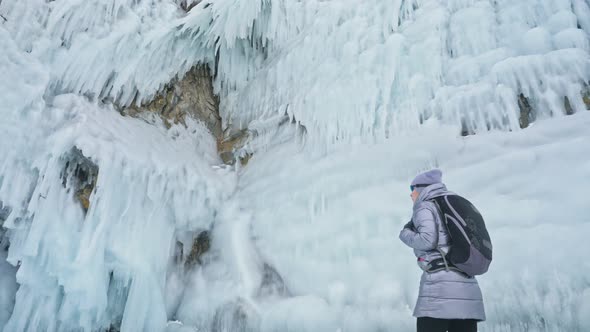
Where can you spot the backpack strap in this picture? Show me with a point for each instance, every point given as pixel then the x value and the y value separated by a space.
pixel 444 258
pixel 447 265
pixel 441 264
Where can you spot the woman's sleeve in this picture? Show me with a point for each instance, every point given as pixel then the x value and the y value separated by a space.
pixel 424 236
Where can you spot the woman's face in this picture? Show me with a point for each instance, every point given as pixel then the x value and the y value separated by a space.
pixel 414 195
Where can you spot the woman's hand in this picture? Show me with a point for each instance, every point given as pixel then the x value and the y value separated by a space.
pixel 409 225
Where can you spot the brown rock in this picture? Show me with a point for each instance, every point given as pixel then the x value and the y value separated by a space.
pixel 200 246
pixel 83 195
pixel 190 96
pixel 81 173
pixel 228 147
pixel 586 95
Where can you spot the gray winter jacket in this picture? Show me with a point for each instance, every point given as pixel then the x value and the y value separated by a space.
pixel 443 294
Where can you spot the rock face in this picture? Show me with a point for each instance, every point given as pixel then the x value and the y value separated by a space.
pixel 229 148
pixel 193 96
pixel 526 111
pixel 200 246
pixel 189 257
pixel 586 96
pixel 81 173
pixel 190 96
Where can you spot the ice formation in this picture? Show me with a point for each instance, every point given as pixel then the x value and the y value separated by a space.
pixel 344 102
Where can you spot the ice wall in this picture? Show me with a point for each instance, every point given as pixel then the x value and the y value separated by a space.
pixel 341 68
pixel 115 50
pixel 378 68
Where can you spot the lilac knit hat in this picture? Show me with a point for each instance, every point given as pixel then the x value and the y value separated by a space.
pixel 428 178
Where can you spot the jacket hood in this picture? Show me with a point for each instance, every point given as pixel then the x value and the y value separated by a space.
pixel 434 190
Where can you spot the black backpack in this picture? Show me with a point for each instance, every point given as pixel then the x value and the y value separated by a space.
pixel 471 246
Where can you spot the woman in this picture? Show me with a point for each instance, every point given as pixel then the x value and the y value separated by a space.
pixel 448 300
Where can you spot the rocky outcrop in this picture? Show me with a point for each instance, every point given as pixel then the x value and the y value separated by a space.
pixel 230 148
pixel 80 175
pixel 526 111
pixel 191 96
pixel 201 244
pixel 586 95
pixel 192 256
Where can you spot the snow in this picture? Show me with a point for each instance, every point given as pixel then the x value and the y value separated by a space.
pixel 375 92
